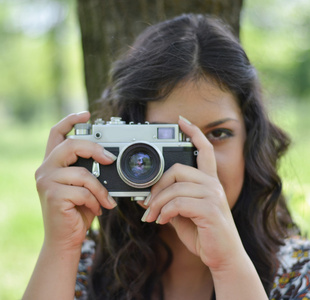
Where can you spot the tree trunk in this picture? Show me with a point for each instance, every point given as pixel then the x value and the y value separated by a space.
pixel 108 26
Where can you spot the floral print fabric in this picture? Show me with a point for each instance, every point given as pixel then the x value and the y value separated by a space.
pixel 85 264
pixel 291 282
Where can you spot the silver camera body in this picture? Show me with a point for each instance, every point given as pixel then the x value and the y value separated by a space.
pixel 144 152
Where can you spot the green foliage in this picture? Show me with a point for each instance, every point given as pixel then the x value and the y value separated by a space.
pixel 40 61
pixel 301 73
pixel 275 34
pixel 293 117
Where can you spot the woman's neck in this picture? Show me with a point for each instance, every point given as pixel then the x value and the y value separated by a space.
pixel 187 277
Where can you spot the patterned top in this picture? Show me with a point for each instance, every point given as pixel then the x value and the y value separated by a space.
pixel 292 280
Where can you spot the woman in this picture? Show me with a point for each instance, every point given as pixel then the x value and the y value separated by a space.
pixel 218 230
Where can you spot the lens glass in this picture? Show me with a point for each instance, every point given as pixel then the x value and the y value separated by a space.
pixel 140 164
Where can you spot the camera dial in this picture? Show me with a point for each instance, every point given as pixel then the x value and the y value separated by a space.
pixel 116 121
pixel 82 129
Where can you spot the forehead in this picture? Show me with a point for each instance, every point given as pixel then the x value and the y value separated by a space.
pixel 197 101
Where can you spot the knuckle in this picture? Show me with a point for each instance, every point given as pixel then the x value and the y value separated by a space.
pixel 209 146
pixel 90 181
pixel 173 206
pixel 69 143
pixel 176 188
pixel 177 167
pixel 41 180
pixel 98 147
pixel 50 194
pixel 219 192
pixel 164 211
pixel 37 174
pixel 85 193
pixel 41 185
pixel 82 147
pixel 54 130
pixel 179 203
pixel 83 173
pixel 103 191
pixel 196 130
pixel 72 147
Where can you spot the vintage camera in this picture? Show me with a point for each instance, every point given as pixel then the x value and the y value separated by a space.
pixel 144 152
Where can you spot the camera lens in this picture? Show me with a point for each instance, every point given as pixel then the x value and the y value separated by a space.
pixel 140 165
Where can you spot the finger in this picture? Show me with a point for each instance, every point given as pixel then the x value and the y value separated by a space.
pixel 206 160
pixel 81 177
pixel 65 198
pixel 185 190
pixel 60 130
pixel 180 207
pixel 179 173
pixel 68 152
pixel 80 196
pixel 201 212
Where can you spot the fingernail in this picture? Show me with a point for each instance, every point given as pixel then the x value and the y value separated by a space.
pixel 109 155
pixel 158 220
pixel 83 112
pixel 147 199
pixel 145 215
pixel 111 200
pixel 185 120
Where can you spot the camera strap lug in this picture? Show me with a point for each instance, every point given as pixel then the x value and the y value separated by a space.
pixel 96 169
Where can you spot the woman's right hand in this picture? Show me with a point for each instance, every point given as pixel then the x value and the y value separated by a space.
pixel 70 196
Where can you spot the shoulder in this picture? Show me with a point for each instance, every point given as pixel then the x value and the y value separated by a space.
pixel 292 280
pixel 85 264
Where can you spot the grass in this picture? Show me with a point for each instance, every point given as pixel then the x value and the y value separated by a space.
pixel 21 228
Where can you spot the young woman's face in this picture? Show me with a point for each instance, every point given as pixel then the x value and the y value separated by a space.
pixel 218 116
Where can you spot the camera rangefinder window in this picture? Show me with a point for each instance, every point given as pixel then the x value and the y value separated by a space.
pixel 165 133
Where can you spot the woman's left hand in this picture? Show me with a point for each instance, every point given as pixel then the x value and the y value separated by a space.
pixel 194 202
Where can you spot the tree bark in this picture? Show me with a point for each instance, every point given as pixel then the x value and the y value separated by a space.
pixel 108 26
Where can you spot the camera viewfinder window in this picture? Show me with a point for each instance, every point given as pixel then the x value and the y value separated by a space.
pixel 165 133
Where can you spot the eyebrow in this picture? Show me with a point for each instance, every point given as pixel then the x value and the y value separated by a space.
pixel 219 122
pixel 210 125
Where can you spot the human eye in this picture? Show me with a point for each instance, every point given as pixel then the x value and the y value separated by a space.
pixel 219 134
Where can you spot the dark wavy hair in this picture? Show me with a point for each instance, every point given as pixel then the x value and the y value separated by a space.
pixel 130 256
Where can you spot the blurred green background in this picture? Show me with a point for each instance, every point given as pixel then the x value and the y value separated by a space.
pixel 42 80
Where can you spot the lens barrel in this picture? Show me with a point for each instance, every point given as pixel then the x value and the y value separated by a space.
pixel 140 165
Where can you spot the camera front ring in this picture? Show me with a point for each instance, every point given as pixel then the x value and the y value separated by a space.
pixel 140 164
